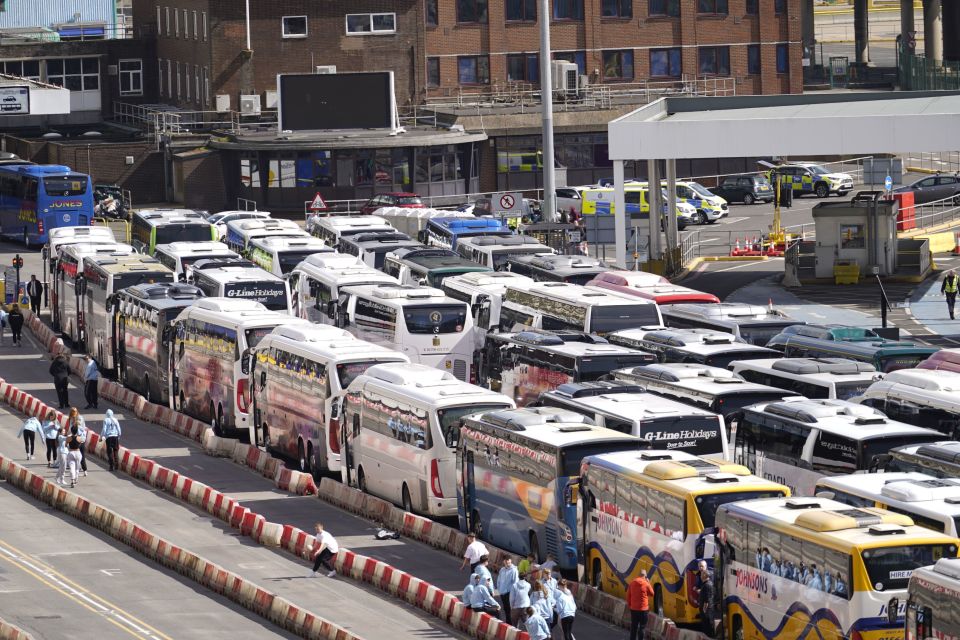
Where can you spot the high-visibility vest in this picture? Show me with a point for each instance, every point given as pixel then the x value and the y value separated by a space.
pixel 950 284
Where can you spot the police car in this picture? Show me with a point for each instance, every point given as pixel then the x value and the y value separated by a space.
pixel 708 207
pixel 809 177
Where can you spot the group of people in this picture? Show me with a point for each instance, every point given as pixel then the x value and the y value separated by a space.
pixel 530 597
pixel 67 443
pixel 809 576
pixel 60 370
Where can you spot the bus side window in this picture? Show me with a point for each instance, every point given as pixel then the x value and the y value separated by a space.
pixel 617 424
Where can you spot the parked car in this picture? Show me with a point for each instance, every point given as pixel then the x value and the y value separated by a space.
pixel 404 200
pixel 938 187
pixel 745 188
pixel 570 199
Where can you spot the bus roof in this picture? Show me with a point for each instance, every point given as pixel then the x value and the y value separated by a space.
pixel 839 417
pixel 288 243
pixel 237 312
pixel 434 258
pixel 228 274
pixel 551 426
pixel 633 278
pixel 458 224
pixel 944 452
pixel 125 263
pixel 697 341
pixel 941 495
pixel 629 401
pixel 494 243
pixel 352 222
pixel 945 573
pixel 430 385
pixel 575 294
pixel 400 295
pixel 698 377
pixel 81 250
pixel 162 217
pixel 40 170
pixel 818 369
pixel 730 311
pixel 681 472
pixel 947 382
pixel 189 249
pixel 494 282
pixel 329 343
pixel 661 293
pixel 328 261
pixel 569 343
pixel 564 265
pixel 58 236
pixel 854 340
pixel 163 295
pixel 839 525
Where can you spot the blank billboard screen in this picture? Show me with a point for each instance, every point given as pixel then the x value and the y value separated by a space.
pixel 313 101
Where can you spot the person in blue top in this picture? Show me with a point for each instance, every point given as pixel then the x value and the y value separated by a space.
pixel 50 430
pixel 535 625
pixel 839 586
pixel 486 578
pixel 29 430
pixel 477 596
pixel 519 599
pixel 566 608
pixel 90 377
pixel 62 451
pixel 111 431
pixel 541 599
pixel 506 578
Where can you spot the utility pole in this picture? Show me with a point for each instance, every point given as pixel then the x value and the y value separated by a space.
pixel 549 208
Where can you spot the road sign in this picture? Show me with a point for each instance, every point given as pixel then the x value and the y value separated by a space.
pixel 911 40
pixel 888 183
pixel 14 100
pixel 507 202
pixel 318 204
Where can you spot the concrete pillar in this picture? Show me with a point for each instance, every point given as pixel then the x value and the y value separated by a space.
pixel 906 21
pixel 932 30
pixel 620 218
pixel 951 31
pixel 807 20
pixel 861 30
pixel 673 235
pixel 655 200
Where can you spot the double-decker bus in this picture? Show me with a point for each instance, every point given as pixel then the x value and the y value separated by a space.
pixel 141 317
pixel 656 510
pixel 298 375
pixel 854 343
pixel 401 429
pixel 67 272
pixel 209 350
pixel 815 568
pixel 150 227
pixel 102 278
pixel 933 602
pixel 525 364
pixel 516 471
pixel 35 198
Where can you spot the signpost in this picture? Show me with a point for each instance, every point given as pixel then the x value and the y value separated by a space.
pixel 888 183
pixel 318 203
pixel 507 202
pixel 14 100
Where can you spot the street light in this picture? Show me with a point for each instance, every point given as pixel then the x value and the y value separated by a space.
pixel 549 208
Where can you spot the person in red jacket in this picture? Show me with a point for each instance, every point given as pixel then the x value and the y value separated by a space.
pixel 638 599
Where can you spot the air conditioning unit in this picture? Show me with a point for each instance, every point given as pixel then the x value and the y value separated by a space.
pixel 271 98
pixel 223 102
pixel 326 68
pixel 250 105
pixel 566 78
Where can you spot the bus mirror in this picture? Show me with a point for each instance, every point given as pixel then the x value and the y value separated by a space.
pixel 245 361
pixel 331 309
pixel 893 609
pixel 571 493
pixel 422 282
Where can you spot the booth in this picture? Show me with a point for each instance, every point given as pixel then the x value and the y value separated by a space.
pixel 856 238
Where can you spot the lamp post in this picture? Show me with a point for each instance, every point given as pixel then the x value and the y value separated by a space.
pixel 549 207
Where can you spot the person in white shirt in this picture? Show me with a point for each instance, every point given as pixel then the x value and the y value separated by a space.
pixel 475 551
pixel 324 549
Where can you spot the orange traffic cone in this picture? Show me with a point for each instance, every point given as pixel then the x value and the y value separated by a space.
pixel 736 248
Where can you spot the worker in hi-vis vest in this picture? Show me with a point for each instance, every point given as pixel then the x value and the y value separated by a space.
pixel 949 288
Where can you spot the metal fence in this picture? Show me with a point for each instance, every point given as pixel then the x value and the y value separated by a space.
pixel 937 212
pixel 946 161
pixel 160 119
pixel 918 73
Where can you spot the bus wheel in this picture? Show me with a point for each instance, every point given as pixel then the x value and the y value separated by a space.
pixel 214 423
pixel 595 576
pixel 658 601
pixel 476 526
pixel 737 628
pixel 361 480
pixel 405 498
pixel 535 547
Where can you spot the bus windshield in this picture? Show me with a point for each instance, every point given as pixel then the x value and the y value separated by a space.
pixel 435 319
pixel 613 318
pixel 290 259
pixel 891 567
pixel 873 447
pixel 595 367
pixel 271 295
pixel 697 435
pixel 68 186
pixel 708 503
pixel 895 362
pixel 760 333
pixel 183 232
pixel 254 336
pixel 573 455
pixel 848 390
pixel 124 280
pixel 450 419
pixel 347 372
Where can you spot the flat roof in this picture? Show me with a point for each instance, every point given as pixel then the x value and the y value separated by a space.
pixel 789 125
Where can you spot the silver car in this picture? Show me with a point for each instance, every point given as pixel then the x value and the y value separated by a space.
pixel 934 188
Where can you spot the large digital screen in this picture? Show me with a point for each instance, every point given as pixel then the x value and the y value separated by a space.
pixel 316 101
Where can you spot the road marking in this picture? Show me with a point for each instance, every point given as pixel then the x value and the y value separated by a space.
pixel 56 581
pixel 733 220
pixel 745 264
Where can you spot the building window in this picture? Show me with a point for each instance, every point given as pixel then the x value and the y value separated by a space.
pixel 665 63
pixel 617 9
pixel 186 79
pixel 577 57
pixel 196 32
pixel 364 23
pixel 203 19
pixel 471 10
pixel 568 9
pixel 294 26
pixel 206 87
pixel 780 7
pixel 753 7
pixel 618 65
pixel 715 7
pixel 169 78
pixel 473 70
pixel 433 13
pixel 753 59
pixel 521 10
pixel 665 8
pixel 783 60
pixel 75 74
pixel 196 80
pixel 159 77
pixel 176 23
pixel 523 67
pixel 159 22
pixel 131 77
pixel 713 61
pixel 178 80
pixel 186 24
pixel 166 14
pixel 29 69
pixel 433 72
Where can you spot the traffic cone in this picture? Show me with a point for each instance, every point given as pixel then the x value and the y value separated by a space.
pixel 736 248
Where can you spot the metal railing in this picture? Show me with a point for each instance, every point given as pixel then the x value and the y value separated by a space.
pixel 918 73
pixel 853 166
pixel 244 204
pixel 161 119
pixel 945 161
pixel 931 214
pixel 87 32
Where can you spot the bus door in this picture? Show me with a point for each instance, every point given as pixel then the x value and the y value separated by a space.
pixel 120 345
pixel 470 494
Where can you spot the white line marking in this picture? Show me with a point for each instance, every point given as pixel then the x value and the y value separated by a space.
pixel 741 266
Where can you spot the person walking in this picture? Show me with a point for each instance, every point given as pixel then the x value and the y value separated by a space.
pixel 62 452
pixel 519 599
pixel 477 596
pixel 90 377
pixel 78 427
pixel 566 608
pixel 15 320
pixel 541 599
pixel 74 457
pixel 60 370
pixel 506 578
pixel 949 288
pixel 324 549
pixel 111 431
pixel 535 625
pixel 50 430
pixel 3 321
pixel 475 550
pixel 35 291
pixel 638 600
pixel 29 430
pixel 705 599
